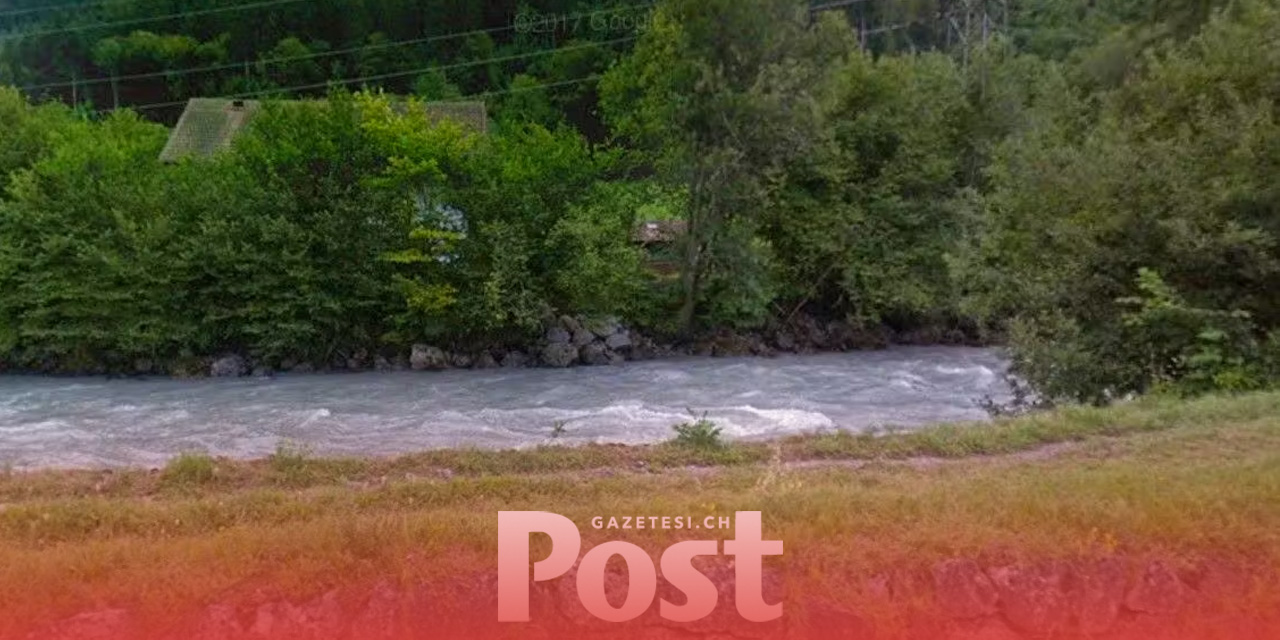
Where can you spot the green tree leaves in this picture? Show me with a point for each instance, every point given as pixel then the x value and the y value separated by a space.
pixel 1173 172
pixel 720 92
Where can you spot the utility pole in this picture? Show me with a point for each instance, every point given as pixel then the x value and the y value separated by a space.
pixel 972 23
pixel 862 29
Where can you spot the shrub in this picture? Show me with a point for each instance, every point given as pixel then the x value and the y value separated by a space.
pixel 1189 349
pixel 292 463
pixel 1172 172
pixel 189 470
pixel 701 434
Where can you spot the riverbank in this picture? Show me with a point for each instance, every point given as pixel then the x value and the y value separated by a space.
pixel 568 341
pixel 1172 507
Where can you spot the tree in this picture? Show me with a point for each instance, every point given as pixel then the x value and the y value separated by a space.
pixel 435 85
pixel 721 93
pixel 1173 174
pixel 864 223
pixel 290 63
pixel 29 132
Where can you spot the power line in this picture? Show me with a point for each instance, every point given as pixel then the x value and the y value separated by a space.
pixel 893 27
pixel 146 107
pixel 309 56
pixel 137 21
pixel 241 64
pixel 538 87
pixel 65 6
pixel 463 99
pixel 835 5
pixel 396 74
pixel 459 65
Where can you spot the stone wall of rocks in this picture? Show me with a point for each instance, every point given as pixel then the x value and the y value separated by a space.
pixel 567 341
pixel 1104 599
pixel 580 341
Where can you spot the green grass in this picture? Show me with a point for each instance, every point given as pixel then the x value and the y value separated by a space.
pixel 291 465
pixel 188 471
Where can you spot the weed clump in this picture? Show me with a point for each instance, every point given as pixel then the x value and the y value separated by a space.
pixel 189 470
pixel 292 463
pixel 700 434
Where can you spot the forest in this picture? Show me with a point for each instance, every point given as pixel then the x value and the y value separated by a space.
pixel 1092 184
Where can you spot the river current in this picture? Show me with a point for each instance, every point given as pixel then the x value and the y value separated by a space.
pixel 94 422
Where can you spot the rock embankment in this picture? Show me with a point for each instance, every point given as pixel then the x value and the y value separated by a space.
pixel 572 341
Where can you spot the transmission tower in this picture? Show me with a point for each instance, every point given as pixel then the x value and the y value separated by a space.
pixel 970 23
pixel 954 24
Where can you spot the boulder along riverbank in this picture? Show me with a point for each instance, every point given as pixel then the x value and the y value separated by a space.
pixel 567 341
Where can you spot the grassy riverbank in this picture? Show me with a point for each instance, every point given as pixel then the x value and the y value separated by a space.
pixel 1158 477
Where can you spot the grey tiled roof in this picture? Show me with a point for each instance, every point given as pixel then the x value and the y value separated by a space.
pixel 208 125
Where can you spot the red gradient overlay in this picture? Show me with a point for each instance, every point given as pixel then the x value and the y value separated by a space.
pixel 365 613
pixel 547 581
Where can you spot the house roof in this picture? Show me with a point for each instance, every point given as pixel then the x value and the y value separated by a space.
pixel 473 114
pixel 208 125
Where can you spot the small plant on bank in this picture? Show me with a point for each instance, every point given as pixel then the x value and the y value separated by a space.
pixel 189 470
pixel 292 463
pixel 701 434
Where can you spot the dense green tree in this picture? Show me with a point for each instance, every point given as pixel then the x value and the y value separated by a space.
pixel 29 131
pixel 1174 175
pixel 295 66
pixel 91 232
pixel 723 93
pixel 867 219
pixel 435 85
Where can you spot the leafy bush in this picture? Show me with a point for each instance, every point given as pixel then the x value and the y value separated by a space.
pixel 83 262
pixel 1189 349
pixel 594 267
pixel 321 164
pixel 701 434
pixel 331 227
pixel 528 239
pixel 189 470
pixel 292 464
pixel 865 222
pixel 29 132
pixel 1171 172
pixel 740 280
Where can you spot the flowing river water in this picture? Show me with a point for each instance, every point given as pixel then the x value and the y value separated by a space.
pixel 94 422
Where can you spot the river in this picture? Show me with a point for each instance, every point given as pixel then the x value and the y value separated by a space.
pixel 95 422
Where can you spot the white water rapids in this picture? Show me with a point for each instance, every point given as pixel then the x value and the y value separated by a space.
pixel 94 422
